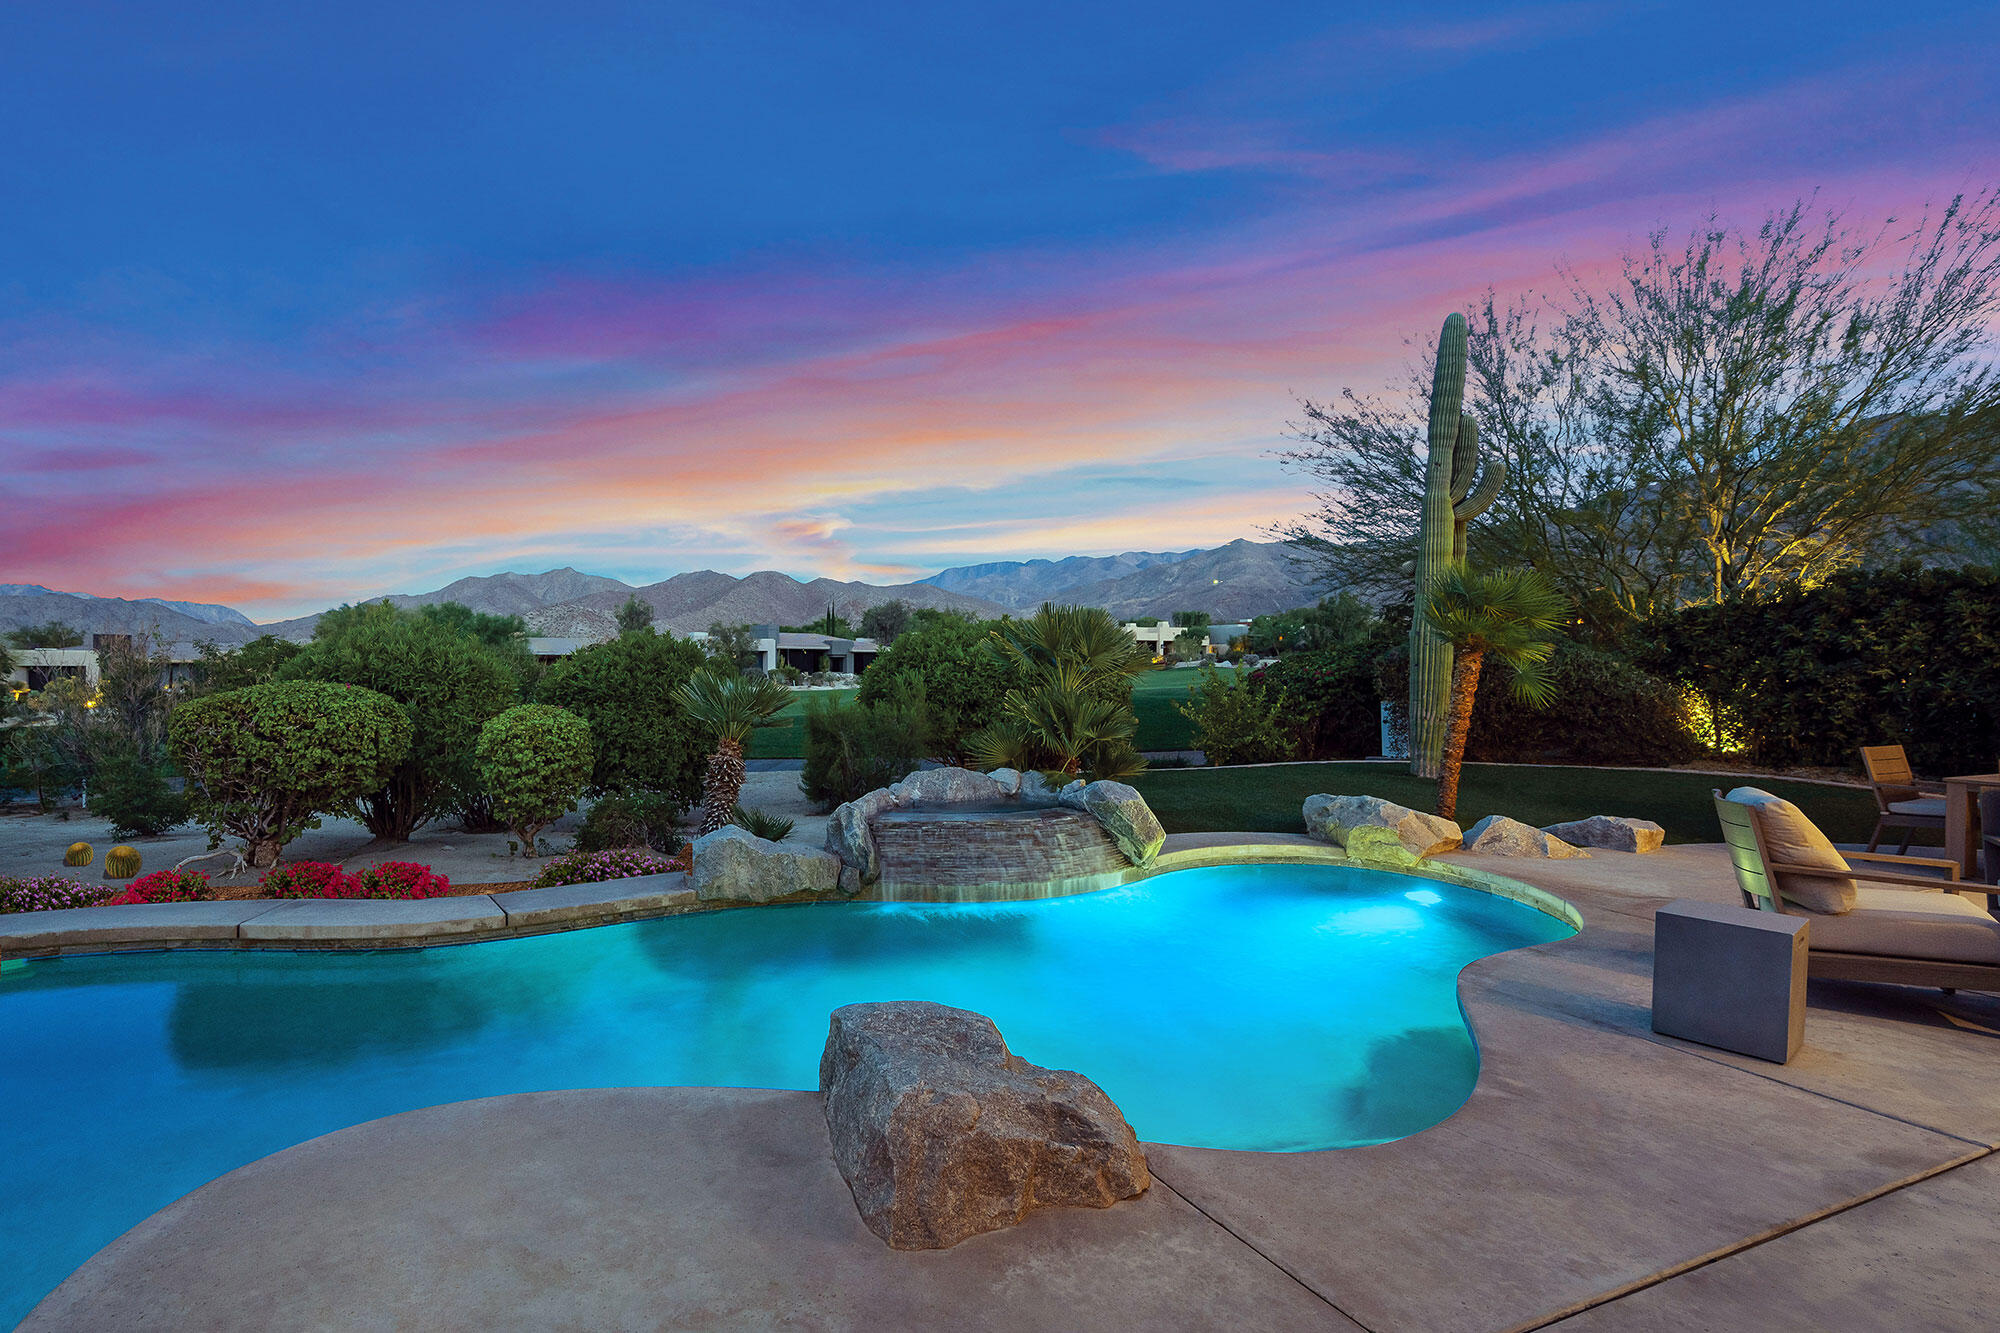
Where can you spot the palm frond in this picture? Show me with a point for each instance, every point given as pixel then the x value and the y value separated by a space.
pixel 732 707
pixel 1513 615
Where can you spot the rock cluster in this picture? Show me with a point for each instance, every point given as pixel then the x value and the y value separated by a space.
pixel 1119 808
pixel 1497 835
pixel 1335 818
pixel 735 865
pixel 1611 832
pixel 942 1133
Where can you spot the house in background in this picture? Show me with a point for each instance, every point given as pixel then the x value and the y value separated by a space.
pixel 1159 638
pixel 810 652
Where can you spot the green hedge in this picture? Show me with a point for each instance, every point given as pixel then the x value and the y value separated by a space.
pixel 1906 655
pixel 1606 711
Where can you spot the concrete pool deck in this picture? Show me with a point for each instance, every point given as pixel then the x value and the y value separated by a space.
pixel 1600 1177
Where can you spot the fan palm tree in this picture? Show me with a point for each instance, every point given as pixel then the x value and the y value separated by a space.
pixel 1510 615
pixel 730 707
pixel 1072 709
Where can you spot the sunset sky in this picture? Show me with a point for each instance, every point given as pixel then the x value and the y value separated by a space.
pixel 301 303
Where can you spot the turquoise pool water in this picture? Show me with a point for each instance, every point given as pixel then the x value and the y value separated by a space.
pixel 1277 1008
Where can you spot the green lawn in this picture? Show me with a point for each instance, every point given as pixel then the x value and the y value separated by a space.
pixel 1153 698
pixel 787 740
pixel 1267 799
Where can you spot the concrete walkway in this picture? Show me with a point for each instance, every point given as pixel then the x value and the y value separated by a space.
pixel 1600 1177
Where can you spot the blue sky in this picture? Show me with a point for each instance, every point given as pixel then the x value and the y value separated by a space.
pixel 300 303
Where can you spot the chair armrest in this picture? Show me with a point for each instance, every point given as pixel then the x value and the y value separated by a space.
pixel 1890 858
pixel 1930 882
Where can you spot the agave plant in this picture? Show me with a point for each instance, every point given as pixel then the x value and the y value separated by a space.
pixel 1512 616
pixel 730 707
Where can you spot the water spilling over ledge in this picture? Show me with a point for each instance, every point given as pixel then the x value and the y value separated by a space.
pixel 988 852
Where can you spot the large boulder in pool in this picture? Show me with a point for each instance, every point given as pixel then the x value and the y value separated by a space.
pixel 735 865
pixel 942 1133
pixel 1127 818
pixel 1333 818
pixel 1497 835
pixel 1611 832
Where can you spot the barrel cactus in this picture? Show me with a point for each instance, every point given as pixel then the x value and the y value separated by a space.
pixel 1457 489
pixel 79 854
pixel 121 862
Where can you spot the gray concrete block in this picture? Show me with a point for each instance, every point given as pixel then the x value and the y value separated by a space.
pixel 1730 977
pixel 139 923
pixel 584 902
pixel 375 919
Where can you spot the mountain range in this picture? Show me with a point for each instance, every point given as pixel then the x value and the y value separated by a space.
pixel 1231 583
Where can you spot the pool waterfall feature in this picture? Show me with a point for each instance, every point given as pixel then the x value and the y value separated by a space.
pixel 953 835
pixel 992 853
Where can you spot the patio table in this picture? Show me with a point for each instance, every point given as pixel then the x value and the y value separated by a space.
pixel 1961 820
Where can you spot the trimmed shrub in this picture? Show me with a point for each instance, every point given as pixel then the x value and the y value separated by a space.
pixel 1246 721
pixel 447 682
pixel 166 886
pixel 1810 676
pixel 851 749
pixel 596 867
pixel 640 738
pixel 1332 698
pixel 1607 711
pixel 49 893
pixel 534 760
pixel 264 762
pixel 631 819
pixel 943 659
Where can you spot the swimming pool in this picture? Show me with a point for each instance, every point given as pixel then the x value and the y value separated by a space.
pixel 1274 1008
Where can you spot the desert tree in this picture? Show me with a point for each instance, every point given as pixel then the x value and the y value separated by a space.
pixel 1738 411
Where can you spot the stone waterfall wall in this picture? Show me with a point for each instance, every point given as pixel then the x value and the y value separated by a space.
pixel 953 857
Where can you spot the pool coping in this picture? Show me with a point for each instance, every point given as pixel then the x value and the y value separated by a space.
pixel 295 924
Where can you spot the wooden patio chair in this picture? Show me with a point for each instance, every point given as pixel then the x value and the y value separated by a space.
pixel 1907 930
pixel 1900 800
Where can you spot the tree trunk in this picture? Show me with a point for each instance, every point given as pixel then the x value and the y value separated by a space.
pixel 1464 686
pixel 264 852
pixel 721 786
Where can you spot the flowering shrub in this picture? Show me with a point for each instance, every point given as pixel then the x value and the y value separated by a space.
pixel 166 886
pixel 320 879
pixel 48 893
pixel 618 863
pixel 305 879
pixel 399 879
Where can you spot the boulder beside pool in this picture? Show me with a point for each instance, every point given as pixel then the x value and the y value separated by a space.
pixel 733 864
pixel 1497 835
pixel 1613 833
pixel 942 1133
pixel 1333 818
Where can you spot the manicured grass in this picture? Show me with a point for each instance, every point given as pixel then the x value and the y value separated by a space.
pixel 1267 799
pixel 787 740
pixel 1153 698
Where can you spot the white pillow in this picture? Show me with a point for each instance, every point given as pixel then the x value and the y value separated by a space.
pixel 1791 838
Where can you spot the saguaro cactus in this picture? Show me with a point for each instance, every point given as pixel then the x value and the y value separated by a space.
pixel 1451 501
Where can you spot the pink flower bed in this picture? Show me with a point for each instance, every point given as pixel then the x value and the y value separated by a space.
pixel 618 863
pixel 49 893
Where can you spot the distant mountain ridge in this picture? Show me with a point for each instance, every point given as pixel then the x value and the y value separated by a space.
pixel 1232 582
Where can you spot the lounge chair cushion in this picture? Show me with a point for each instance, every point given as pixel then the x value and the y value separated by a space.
pixel 1793 839
pixel 1928 805
pixel 1910 923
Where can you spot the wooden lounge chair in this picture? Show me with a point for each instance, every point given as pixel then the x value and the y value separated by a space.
pixel 1909 930
pixel 1900 800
